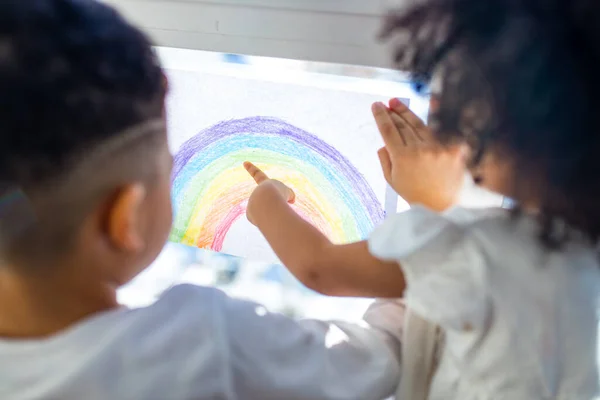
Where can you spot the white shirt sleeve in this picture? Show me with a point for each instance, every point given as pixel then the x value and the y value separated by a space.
pixel 442 264
pixel 275 357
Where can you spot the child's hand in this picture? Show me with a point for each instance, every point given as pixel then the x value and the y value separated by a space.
pixel 419 169
pixel 267 192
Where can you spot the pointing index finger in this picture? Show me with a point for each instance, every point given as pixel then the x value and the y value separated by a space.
pixel 391 137
pixel 256 173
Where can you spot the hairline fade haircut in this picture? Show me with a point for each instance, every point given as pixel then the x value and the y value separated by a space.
pixel 45 219
pixel 75 78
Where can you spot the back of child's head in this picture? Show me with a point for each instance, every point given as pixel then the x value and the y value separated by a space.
pixel 79 89
pixel 518 79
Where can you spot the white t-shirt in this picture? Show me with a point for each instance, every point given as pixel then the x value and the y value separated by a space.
pixel 520 321
pixel 196 343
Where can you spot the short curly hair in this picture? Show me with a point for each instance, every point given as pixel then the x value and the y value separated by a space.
pixel 519 78
pixel 74 75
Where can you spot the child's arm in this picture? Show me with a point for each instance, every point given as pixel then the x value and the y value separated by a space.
pixel 270 356
pixel 334 270
pixel 418 168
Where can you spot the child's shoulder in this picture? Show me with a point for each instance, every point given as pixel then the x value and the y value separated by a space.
pixel 187 295
pixel 184 308
pixel 420 229
pixel 473 240
pixel 148 352
pixel 166 322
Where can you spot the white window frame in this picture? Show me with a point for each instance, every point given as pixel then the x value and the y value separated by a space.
pixel 335 31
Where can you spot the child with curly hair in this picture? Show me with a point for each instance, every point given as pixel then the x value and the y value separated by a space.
pixel 516 292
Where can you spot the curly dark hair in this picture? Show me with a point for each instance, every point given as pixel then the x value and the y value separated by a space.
pixel 73 73
pixel 519 78
pixel 74 78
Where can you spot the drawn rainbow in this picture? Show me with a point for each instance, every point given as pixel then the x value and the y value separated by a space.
pixel 211 188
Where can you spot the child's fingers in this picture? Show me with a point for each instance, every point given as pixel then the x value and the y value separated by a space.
pixel 401 110
pixel 408 134
pixel 386 164
pixel 255 172
pixel 391 137
pixel 260 177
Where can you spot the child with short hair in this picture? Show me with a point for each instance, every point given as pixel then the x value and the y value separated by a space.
pixel 515 292
pixel 85 206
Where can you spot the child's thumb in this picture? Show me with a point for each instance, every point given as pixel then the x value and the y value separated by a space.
pixel 286 191
pixel 386 164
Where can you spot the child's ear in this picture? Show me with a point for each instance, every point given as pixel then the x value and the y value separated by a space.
pixel 124 222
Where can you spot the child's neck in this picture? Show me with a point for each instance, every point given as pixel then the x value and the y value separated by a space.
pixel 34 306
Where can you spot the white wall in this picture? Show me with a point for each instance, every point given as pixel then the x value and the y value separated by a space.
pixel 338 31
